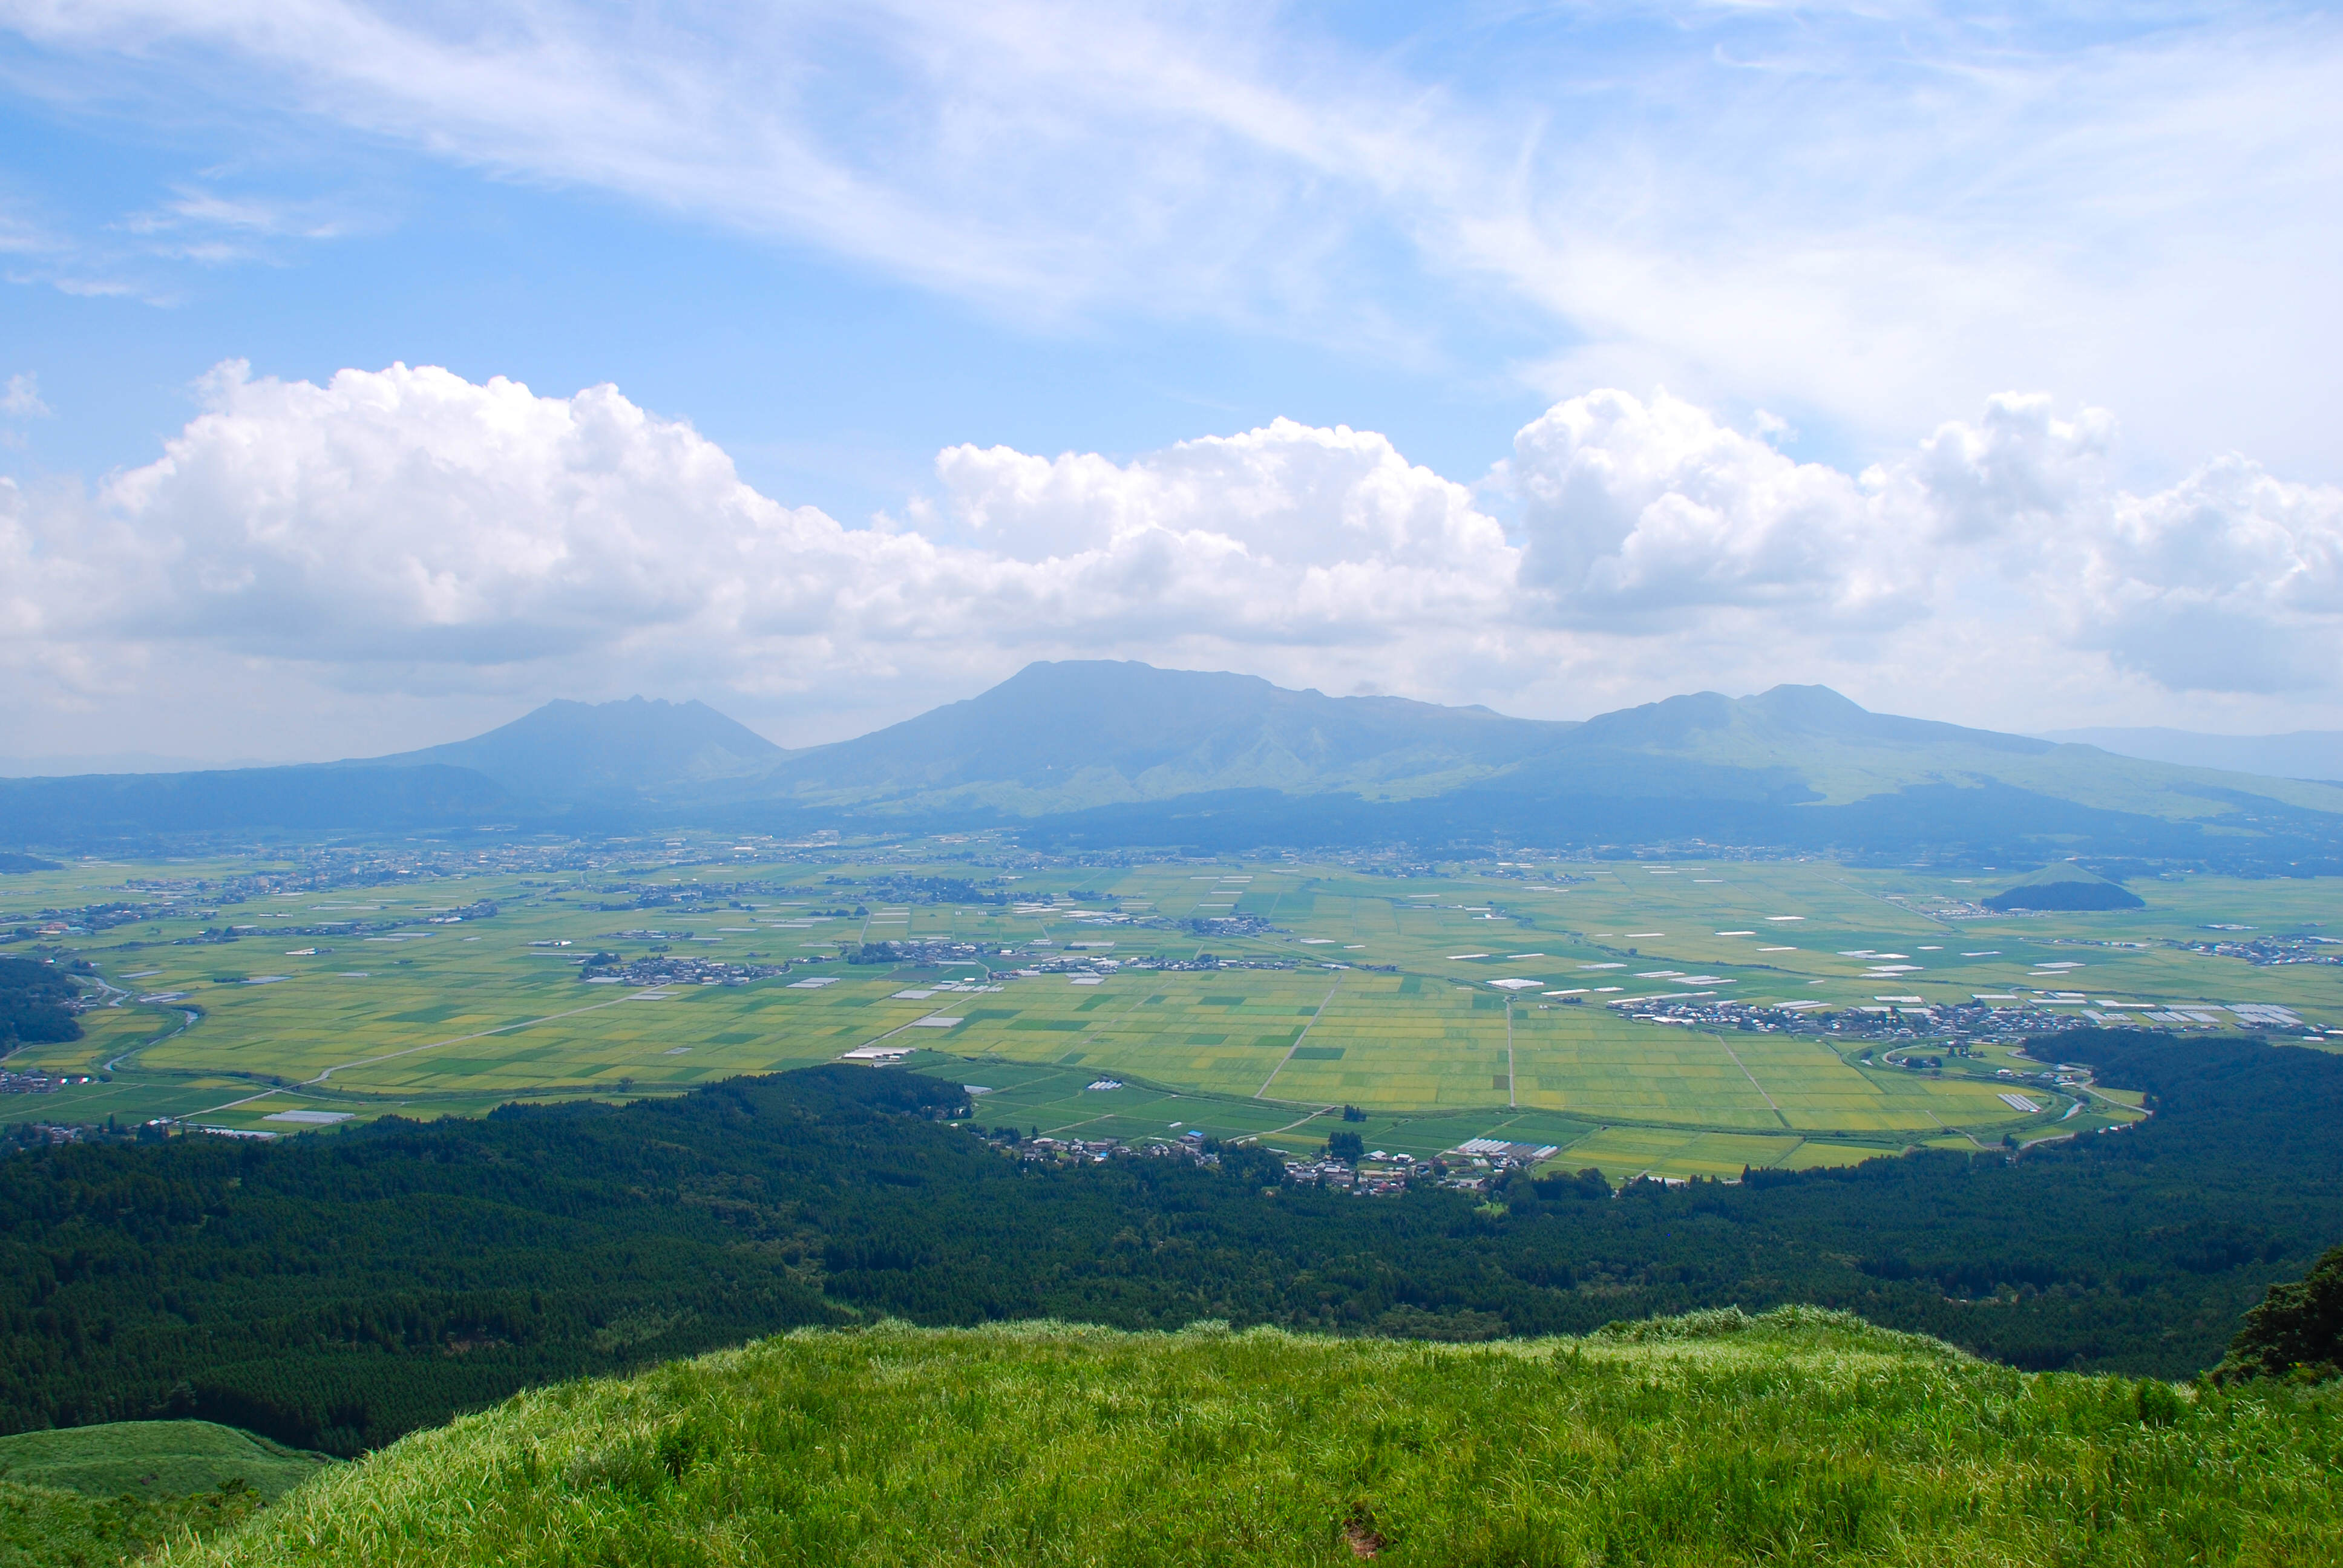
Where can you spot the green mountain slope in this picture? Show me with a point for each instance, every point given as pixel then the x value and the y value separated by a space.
pixel 1798 1437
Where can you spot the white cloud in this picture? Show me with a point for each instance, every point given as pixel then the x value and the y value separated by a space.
pixel 2019 465
pixel 406 540
pixel 408 529
pixel 1640 512
pixel 1287 494
pixel 2231 580
pixel 1643 515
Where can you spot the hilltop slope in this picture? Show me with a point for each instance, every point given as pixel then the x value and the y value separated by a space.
pixel 1800 1436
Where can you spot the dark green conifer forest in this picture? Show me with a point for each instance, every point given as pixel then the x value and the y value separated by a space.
pixel 337 1291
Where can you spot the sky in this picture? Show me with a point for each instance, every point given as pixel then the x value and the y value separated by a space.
pixel 371 374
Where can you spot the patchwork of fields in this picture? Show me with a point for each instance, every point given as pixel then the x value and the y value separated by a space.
pixel 1390 1005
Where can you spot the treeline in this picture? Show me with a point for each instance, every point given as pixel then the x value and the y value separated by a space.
pixel 336 1291
pixel 33 997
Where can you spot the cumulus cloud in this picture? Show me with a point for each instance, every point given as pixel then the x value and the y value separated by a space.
pixel 1639 512
pixel 411 535
pixel 409 514
pixel 406 520
pixel 2231 580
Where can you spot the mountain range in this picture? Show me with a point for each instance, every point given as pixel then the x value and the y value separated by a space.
pixel 1096 754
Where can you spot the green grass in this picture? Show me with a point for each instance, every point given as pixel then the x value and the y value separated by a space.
pixel 1798 1437
pixel 49 1527
pixel 92 1496
pixel 153 1459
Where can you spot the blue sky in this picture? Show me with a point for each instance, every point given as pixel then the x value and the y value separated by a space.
pixel 1956 342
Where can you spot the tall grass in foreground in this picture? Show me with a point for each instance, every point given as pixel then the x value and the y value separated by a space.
pixel 1797 1437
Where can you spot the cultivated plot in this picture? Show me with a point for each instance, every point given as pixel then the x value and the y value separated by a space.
pixel 1447 1007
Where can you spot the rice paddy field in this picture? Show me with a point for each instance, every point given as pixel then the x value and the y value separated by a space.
pixel 1444 1008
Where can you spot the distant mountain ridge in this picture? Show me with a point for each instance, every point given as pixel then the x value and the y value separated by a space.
pixel 1100 753
pixel 2301 754
pixel 565 748
pixel 1060 736
pixel 1786 713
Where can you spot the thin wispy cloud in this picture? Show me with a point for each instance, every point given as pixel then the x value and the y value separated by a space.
pixel 21 397
pixel 1848 214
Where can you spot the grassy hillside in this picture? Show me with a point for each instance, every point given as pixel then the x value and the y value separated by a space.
pixel 1800 1436
pixel 92 1496
pixel 153 1458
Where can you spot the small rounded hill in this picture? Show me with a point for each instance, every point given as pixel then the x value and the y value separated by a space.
pixel 2064 885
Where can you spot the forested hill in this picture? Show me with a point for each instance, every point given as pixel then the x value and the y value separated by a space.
pixel 339 1290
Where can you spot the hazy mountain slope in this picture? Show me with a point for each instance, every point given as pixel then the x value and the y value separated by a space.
pixel 77 765
pixel 2304 754
pixel 1075 736
pixel 1144 748
pixel 565 749
pixel 1846 753
pixel 1797 767
pixel 1083 733
pixel 131 806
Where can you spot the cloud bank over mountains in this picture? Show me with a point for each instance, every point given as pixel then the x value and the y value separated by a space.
pixel 393 541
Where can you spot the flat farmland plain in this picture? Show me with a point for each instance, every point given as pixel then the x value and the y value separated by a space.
pixel 1388 1003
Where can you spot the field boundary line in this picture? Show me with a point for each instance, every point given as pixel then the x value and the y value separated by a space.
pixel 1263 1091
pixel 906 1023
pixel 1513 1098
pixel 1257 1137
pixel 1751 1077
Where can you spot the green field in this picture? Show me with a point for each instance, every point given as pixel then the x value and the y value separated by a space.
pixel 1796 1437
pixel 455 1019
